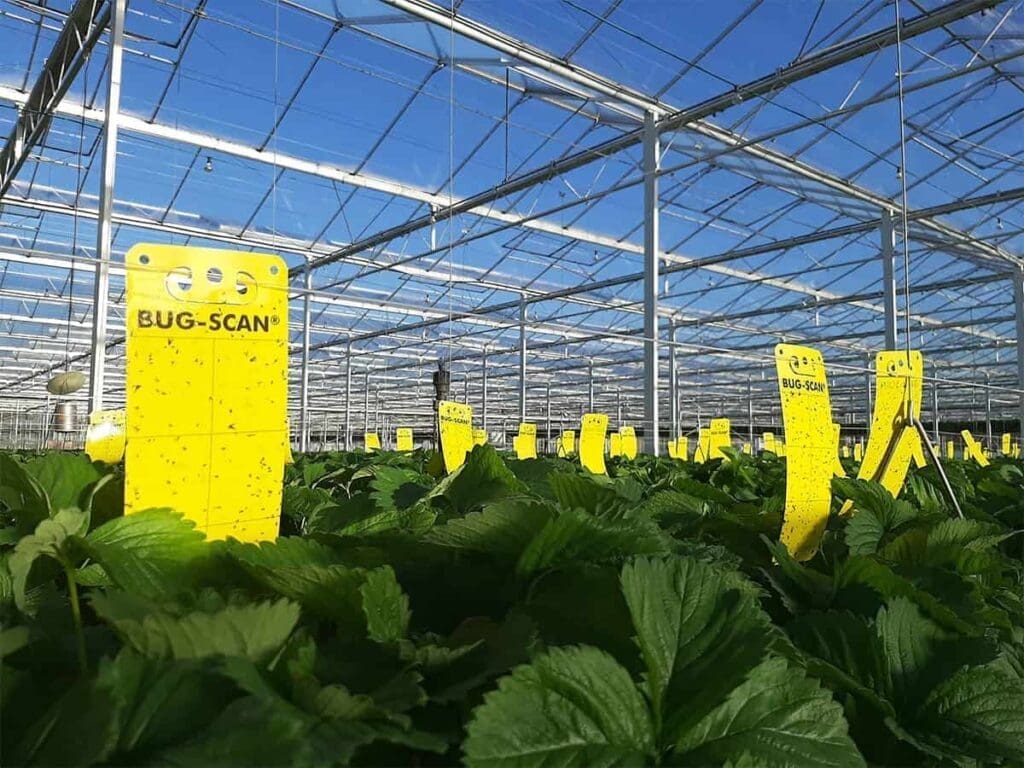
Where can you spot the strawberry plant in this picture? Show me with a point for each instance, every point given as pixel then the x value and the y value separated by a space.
pixel 515 613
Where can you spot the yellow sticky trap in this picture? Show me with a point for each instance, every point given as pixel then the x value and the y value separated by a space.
pixel 837 430
pixel 780 447
pixel 950 449
pixel 683 448
pixel 593 427
pixel 566 443
pixel 614 445
pixel 918 454
pixel 844 451
pixel 972 449
pixel 455 423
pixel 1016 450
pixel 206 387
pixel 479 437
pixel 1005 444
pixel 700 455
pixel 627 442
pixel 747 449
pixel 893 440
pixel 807 416
pixel 371 442
pixel 526 444
pixel 104 439
pixel 403 439
pixel 768 440
pixel 858 451
pixel 672 452
pixel 718 437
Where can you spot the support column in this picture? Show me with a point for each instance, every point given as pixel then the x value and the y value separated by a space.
pixel 366 403
pixel 652 154
pixel 750 413
pixel 483 390
pixel 988 412
pixel 888 252
pixel 307 284
pixel 348 397
pixel 547 445
pixel 618 407
pixel 522 362
pixel 1018 302
pixel 101 281
pixel 867 391
pixel 673 382
pixel 590 387
pixel 935 414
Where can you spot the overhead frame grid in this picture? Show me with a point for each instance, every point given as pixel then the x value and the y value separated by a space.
pixel 571 204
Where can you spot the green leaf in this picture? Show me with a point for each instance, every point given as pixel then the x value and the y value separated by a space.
pixel 21 494
pixel 843 650
pixel 920 654
pixel 571 707
pixel 249 731
pixel 577 536
pixel 573 491
pixel 777 718
pixel 152 553
pixel 385 605
pixel 876 514
pixel 977 714
pixel 66 478
pixel 51 539
pixel 161 703
pixel 699 630
pixel 484 477
pixel 394 488
pixel 302 503
pixel 254 631
pixel 502 527
pixel 80 728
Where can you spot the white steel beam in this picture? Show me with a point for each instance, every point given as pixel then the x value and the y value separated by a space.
pixel 651 160
pixel 887 236
pixel 104 225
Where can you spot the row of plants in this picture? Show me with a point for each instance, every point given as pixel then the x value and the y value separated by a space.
pixel 514 613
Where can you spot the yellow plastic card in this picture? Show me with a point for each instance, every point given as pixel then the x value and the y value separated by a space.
pixel 683 448
pixel 768 439
pixel 614 444
pixel 671 444
pixel 972 448
pixel 858 451
pixel 950 449
pixel 893 440
pixel 403 439
pixel 780 447
pixel 526 445
pixel 807 416
pixel 719 438
pixel 700 455
pixel 747 449
pixel 844 451
pixel 569 441
pixel 104 439
pixel 207 387
pixel 627 442
pixel 1005 444
pixel 479 437
pixel 371 442
pixel 838 470
pixel 593 427
pixel 455 421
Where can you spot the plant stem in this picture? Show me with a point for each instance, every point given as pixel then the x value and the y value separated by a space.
pixel 76 615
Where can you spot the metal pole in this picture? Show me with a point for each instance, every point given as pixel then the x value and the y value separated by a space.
pixel 888 238
pixel 590 387
pixel 988 413
pixel 348 397
pixel 522 361
pixel 673 382
pixel 750 413
pixel 548 395
pixel 651 156
pixel 366 402
pixel 867 391
pixel 935 412
pixel 307 284
pixel 618 405
pixel 1018 301
pixel 483 385
pixel 101 281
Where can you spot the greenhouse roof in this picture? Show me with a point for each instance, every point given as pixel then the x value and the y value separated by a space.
pixel 443 170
